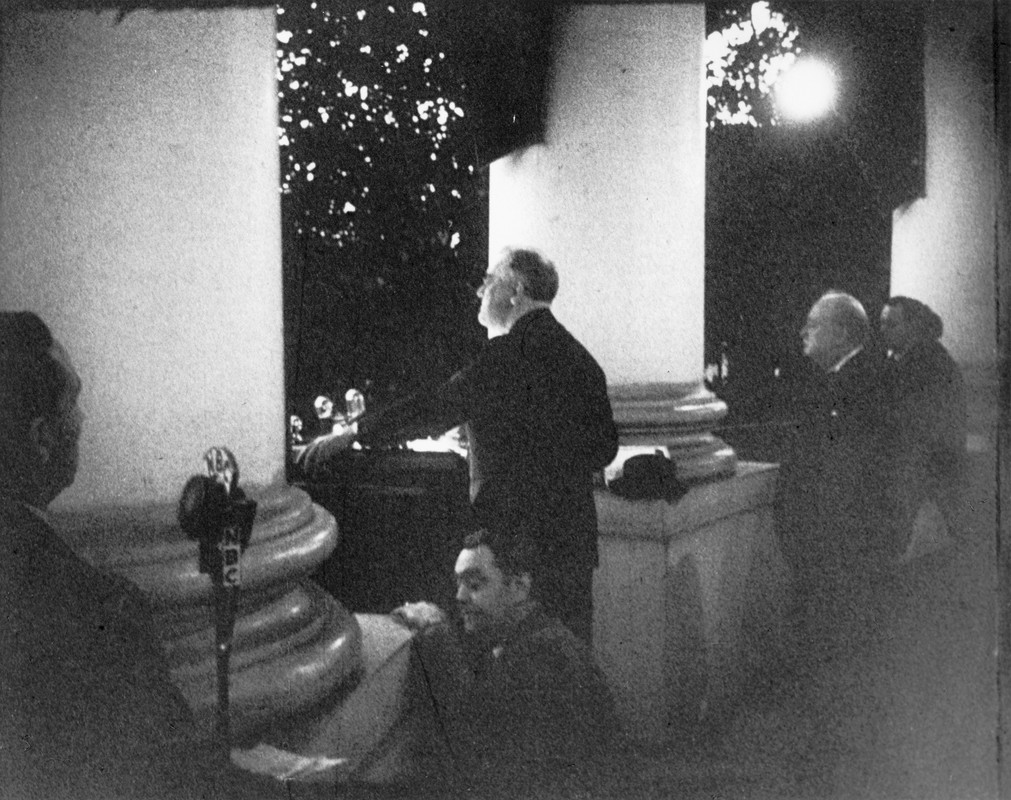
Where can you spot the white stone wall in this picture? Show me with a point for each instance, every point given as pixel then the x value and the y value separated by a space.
pixel 139 215
pixel 943 245
pixel 615 195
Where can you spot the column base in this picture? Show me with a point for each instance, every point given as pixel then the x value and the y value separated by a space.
pixel 371 724
pixel 293 644
pixel 677 418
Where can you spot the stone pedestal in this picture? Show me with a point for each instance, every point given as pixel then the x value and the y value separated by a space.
pixel 689 600
pixel 370 723
pixel 293 644
pixel 678 419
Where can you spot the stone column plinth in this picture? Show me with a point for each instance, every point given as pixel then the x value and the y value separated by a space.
pixel 293 643
pixel 615 196
pixel 140 217
pixel 689 601
pixel 678 419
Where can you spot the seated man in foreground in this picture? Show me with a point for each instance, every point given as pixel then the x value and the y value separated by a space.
pixel 524 710
pixel 88 709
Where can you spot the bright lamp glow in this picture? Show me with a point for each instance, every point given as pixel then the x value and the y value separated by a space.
pixel 760 16
pixel 806 91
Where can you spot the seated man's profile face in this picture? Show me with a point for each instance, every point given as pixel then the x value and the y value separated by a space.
pixel 895 332
pixel 61 433
pixel 822 335
pixel 40 421
pixel 485 595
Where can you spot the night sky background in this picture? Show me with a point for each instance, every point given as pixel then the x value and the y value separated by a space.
pixel 790 212
pixel 794 210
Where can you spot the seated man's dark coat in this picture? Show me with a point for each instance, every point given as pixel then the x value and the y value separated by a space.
pixel 927 407
pixel 528 716
pixel 87 708
pixel 834 514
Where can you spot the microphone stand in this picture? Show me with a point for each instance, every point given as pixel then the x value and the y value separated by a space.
pixel 225 603
pixel 217 513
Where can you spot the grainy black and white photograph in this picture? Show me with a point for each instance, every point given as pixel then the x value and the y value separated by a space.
pixel 504 400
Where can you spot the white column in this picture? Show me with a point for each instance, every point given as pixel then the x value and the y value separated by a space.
pixel 944 244
pixel 615 196
pixel 139 216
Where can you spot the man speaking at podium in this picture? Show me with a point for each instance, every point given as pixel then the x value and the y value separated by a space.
pixel 539 425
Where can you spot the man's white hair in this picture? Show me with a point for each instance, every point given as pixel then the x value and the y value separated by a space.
pixel 849 313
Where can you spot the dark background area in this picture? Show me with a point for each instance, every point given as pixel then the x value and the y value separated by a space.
pixel 795 209
pixel 388 306
pixel 403 517
pixel 344 329
pixel 791 210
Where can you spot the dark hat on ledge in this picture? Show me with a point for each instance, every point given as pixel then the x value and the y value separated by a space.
pixel 651 476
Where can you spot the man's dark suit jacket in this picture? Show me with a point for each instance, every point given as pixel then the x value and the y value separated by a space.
pixel 524 715
pixel 87 707
pixel 927 395
pixel 539 426
pixel 834 517
pixel 927 401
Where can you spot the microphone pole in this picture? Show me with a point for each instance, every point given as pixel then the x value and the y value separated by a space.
pixel 215 511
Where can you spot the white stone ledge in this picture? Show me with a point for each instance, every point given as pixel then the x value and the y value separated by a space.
pixel 754 486
pixel 689 600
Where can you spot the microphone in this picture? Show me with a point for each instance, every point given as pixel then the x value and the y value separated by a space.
pixel 354 403
pixel 215 512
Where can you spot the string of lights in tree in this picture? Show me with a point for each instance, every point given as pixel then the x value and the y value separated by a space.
pixel 371 126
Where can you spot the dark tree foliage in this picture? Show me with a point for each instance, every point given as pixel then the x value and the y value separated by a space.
pixel 757 44
pixel 372 122
pixel 384 207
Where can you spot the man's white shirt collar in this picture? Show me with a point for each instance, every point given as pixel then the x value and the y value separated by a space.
pixel 845 359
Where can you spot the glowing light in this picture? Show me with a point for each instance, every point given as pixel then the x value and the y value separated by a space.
pixel 761 17
pixel 806 91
